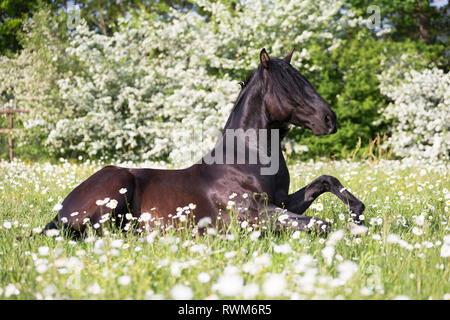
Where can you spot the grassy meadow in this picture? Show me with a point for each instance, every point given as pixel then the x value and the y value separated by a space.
pixel 404 253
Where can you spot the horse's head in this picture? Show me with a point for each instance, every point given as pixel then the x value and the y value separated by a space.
pixel 290 98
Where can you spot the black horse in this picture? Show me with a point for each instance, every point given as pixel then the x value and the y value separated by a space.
pixel 275 96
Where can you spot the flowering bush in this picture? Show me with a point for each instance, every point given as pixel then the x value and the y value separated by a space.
pixel 129 99
pixel 28 80
pixel 420 112
pixel 141 92
pixel 125 94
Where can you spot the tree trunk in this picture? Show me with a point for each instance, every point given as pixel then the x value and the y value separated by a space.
pixel 424 23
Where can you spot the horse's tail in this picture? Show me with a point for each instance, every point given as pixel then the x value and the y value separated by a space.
pixel 57 228
pixel 53 225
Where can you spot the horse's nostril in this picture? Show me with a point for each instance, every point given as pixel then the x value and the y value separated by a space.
pixel 330 124
pixel 328 121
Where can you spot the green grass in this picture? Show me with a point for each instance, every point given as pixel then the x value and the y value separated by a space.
pixel 288 265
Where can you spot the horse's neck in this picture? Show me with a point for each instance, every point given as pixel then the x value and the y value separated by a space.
pixel 250 117
pixel 248 113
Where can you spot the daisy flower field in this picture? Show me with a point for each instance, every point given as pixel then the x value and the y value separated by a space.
pixel 402 252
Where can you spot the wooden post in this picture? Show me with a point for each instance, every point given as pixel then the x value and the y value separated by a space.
pixel 10 113
pixel 10 138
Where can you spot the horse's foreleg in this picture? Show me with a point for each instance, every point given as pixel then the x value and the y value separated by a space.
pixel 299 201
pixel 278 219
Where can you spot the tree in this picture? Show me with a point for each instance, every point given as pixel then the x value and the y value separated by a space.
pixel 116 87
pixel 12 15
pixel 101 15
pixel 409 19
pixel 155 75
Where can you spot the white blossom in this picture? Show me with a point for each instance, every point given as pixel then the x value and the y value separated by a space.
pixel 420 111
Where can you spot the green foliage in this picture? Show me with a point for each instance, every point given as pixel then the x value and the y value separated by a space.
pixel 184 64
pixel 101 15
pixel 29 78
pixel 104 15
pixel 342 60
pixel 349 81
pixel 13 15
pixel 409 19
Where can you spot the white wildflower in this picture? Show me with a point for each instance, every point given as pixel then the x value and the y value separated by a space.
pixel 274 285
pixel 204 222
pixel 124 280
pixel 203 277
pixel 181 292
pixel 94 289
pixel 229 284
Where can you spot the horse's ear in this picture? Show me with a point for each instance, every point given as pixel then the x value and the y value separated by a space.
pixel 264 57
pixel 289 56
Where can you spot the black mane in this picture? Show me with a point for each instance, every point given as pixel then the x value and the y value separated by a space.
pixel 247 79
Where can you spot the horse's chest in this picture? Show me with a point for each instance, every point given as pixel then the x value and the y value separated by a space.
pixel 281 183
pixel 250 188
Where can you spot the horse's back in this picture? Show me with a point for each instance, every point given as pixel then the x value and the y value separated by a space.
pixel 161 192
